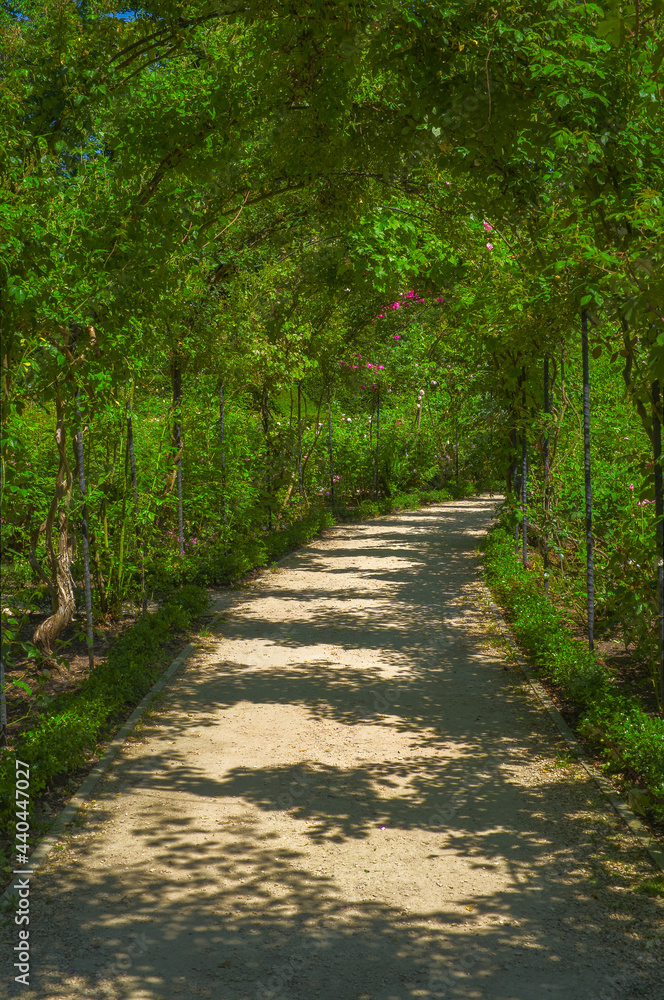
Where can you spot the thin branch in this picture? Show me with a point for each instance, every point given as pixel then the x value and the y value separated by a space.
pixel 141 69
pixel 232 222
pixel 141 41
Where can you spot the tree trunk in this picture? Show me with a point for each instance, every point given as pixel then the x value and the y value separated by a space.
pixel 659 514
pixel 515 487
pixel 378 439
pixel 266 430
pixel 222 438
pixel 299 439
pixel 60 583
pixel 590 576
pixel 491 446
pixel 524 494
pixel 99 576
pixel 329 428
pixel 456 442
pixel 177 442
pixel 524 473
pixel 134 484
pixel 546 474
pixel 3 704
pixel 80 461
pixel 317 433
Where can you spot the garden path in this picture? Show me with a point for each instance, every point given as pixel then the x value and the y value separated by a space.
pixel 346 795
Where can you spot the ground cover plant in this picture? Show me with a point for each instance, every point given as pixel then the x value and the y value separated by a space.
pixel 267 266
pixel 605 710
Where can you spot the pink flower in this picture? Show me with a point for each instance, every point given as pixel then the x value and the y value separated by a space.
pixel 396 336
pixel 488 228
pixel 489 246
pixel 631 486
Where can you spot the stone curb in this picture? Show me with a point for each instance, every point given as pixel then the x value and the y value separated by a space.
pixel 68 814
pixel 637 828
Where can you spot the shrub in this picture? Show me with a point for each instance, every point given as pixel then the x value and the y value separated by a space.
pixel 607 714
pixel 64 734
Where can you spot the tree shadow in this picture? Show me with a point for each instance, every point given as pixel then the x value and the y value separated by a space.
pixel 509 888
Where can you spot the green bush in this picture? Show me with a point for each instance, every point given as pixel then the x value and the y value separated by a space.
pixel 69 729
pixel 608 715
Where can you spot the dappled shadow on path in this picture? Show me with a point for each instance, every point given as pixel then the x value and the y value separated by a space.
pixel 506 887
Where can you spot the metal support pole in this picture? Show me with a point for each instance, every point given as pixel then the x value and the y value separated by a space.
pixel 222 437
pixel 377 440
pixel 84 533
pixel 546 474
pixel 659 514
pixel 299 439
pixel 329 429
pixel 524 496
pixel 590 578
pixel 134 483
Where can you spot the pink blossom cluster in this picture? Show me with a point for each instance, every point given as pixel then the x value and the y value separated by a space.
pixel 371 365
pixel 409 298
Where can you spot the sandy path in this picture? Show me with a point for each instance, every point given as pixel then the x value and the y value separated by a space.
pixel 345 796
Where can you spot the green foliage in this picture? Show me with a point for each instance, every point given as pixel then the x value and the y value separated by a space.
pixel 62 737
pixel 405 203
pixel 606 712
pixel 652 887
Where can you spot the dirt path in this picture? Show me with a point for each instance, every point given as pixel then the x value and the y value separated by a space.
pixel 345 796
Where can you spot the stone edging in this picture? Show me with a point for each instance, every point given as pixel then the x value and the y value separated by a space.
pixel 637 828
